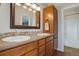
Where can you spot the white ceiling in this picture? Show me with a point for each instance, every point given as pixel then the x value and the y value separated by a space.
pixel 63 5
pixel 58 5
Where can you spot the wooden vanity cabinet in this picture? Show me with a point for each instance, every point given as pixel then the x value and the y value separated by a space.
pixel 42 50
pixel 50 15
pixel 42 47
pixel 49 46
pixel 32 53
pixel 20 50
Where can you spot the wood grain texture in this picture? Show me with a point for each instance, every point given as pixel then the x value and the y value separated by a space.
pixel 41 42
pixel 49 48
pixel 19 50
pixel 48 13
pixel 42 50
pixel 35 48
pixel 32 53
pixel 69 51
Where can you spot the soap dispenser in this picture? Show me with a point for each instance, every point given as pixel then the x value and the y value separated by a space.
pixel 47 26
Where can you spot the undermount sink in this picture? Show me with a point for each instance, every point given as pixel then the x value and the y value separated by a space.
pixel 43 34
pixel 16 38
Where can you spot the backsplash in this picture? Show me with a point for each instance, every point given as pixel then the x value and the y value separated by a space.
pixel 26 30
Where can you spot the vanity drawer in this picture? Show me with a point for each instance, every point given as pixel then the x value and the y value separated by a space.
pixel 50 44
pixel 19 50
pixel 49 38
pixel 49 48
pixel 42 48
pixel 32 53
pixel 41 42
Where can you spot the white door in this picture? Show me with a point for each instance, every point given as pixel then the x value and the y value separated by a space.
pixel 71 31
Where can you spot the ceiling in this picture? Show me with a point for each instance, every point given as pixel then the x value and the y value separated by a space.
pixel 58 5
pixel 63 5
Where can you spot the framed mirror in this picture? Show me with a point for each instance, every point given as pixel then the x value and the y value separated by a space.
pixel 24 16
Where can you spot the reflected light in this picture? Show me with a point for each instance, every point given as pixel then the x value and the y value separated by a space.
pixel 18 4
pixel 25 7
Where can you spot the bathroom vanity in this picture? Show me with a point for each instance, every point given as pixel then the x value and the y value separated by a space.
pixel 37 45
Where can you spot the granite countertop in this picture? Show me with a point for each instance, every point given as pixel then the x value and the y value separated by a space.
pixel 6 45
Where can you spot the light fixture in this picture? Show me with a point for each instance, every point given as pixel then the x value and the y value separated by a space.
pixel 38 8
pixel 34 6
pixel 18 4
pixel 31 6
pixel 25 7
pixel 28 4
pixel 30 9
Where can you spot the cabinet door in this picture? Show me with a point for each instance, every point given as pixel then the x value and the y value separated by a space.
pixel 50 13
pixel 42 50
pixel 20 50
pixel 49 48
pixel 48 16
pixel 32 53
pixel 41 42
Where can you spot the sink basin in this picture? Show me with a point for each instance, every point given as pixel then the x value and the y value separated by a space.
pixel 43 34
pixel 16 38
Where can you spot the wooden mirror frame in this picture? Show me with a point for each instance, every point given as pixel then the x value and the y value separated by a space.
pixel 12 20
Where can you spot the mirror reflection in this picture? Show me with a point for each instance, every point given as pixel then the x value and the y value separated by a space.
pixel 27 15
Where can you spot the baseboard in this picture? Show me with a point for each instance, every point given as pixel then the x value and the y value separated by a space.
pixel 60 50
pixel 72 47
